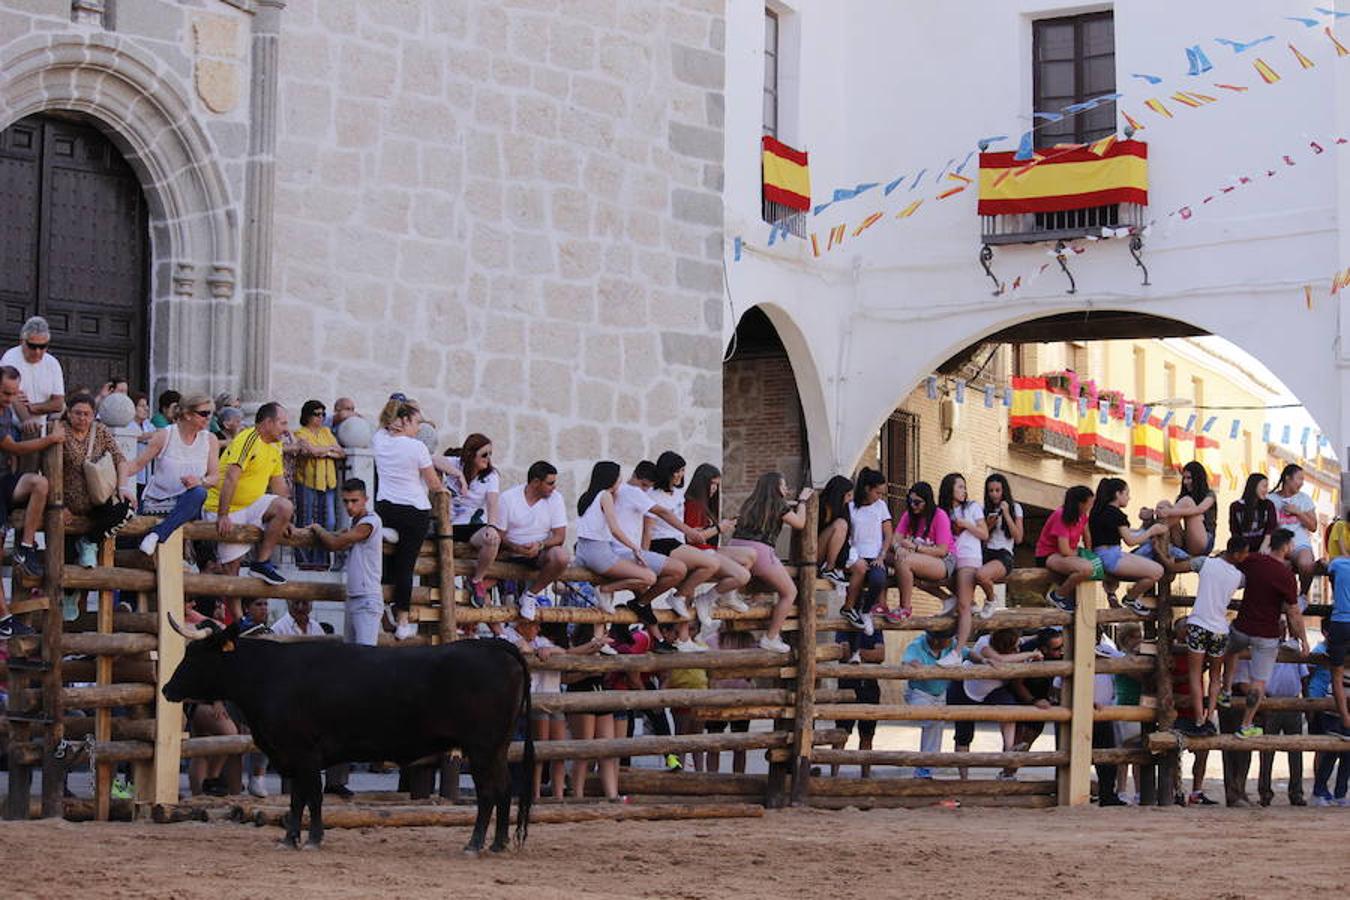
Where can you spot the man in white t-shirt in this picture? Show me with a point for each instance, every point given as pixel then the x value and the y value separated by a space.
pixel 297 622
pixel 44 386
pixel 533 523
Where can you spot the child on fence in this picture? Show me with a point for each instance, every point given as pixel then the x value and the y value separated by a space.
pixel 1057 547
pixel 1207 635
pixel 869 535
pixel 762 518
pixel 365 561
pixel 861 648
pixel 547 726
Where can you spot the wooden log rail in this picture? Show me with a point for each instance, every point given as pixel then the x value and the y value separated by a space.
pixel 1171 742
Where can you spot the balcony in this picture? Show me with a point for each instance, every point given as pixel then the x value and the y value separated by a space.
pixel 1062 225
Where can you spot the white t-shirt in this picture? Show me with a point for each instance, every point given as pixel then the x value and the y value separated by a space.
pixel 979 688
pixel 630 506
pixel 475 498
pixel 865 527
pixel 998 540
pixel 592 525
pixel 522 523
pixel 967 544
pixel 286 626
pixel 542 681
pixel 673 501
pixel 1104 686
pixel 1219 580
pixel 1285 518
pixel 40 381
pixel 399 461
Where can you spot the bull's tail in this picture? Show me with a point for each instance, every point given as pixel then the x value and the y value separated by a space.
pixel 526 797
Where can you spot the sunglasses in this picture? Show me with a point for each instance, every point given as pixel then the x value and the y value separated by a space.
pixel 400 397
pixel 915 501
pixel 32 346
pixel 200 413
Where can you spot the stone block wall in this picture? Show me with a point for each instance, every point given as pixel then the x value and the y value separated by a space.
pixel 510 210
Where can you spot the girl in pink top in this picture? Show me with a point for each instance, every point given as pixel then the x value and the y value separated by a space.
pixel 922 546
pixel 1057 546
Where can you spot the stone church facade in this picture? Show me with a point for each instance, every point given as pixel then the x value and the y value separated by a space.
pixel 509 210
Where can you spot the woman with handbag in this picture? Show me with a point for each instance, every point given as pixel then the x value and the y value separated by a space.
pixel 96 479
pixel 187 463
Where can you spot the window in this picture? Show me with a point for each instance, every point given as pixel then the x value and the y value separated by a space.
pixel 1074 60
pixel 770 72
pixel 899 457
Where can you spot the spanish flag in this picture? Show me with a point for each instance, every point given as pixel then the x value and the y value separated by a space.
pixel 1180 450
pixel 1207 453
pixel 1074 179
pixel 787 177
pixel 1146 454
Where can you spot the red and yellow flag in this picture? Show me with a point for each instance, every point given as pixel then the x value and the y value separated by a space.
pixel 1074 179
pixel 1268 75
pixel 1180 450
pixel 787 176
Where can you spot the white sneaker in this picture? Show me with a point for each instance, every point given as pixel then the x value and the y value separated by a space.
pixel 773 645
pixel 990 607
pixel 678 607
pixel 528 606
pixel 869 625
pixel 732 600
pixel 948 606
pixel 405 631
pixel 706 635
pixel 149 543
pixel 703 605
pixel 689 647
pixel 855 659
pixel 608 650
pixel 87 553
pixel 949 660
pixel 256 787
pixel 388 535
pixel 605 600
pixel 663 601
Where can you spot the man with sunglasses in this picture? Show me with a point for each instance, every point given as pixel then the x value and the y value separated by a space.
pixel 44 385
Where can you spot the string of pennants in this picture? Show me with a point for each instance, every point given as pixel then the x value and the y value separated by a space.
pixel 951 180
pixel 1058 406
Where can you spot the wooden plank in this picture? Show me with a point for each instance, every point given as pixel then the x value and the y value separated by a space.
pixel 163 786
pixel 1174 742
pixel 53 525
pixel 1169 764
pixel 803 730
pixel 1084 637
pixel 445 560
pixel 905 713
pixel 911 758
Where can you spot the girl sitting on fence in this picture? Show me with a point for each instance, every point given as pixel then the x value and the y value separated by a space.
pixel 870 535
pixel 922 547
pixel 1193 518
pixel 1108 526
pixel 1295 510
pixel 670 538
pixel 762 517
pixel 833 555
pixel 1057 547
pixel 1252 516
pixel 474 488
pixel 603 547
pixel 1003 518
pixel 969 531
pixel 702 512
pixel 187 462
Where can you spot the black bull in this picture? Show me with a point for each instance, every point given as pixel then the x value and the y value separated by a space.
pixel 313 704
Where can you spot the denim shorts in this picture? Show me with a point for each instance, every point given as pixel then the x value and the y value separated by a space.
pixel 1110 557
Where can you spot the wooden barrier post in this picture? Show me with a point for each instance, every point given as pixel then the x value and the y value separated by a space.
pixel 1168 763
pixel 804 728
pixel 162 786
pixel 1075 782
pixel 103 673
pixel 445 563
pixel 53 771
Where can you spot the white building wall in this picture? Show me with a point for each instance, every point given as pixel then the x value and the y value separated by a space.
pixel 893 87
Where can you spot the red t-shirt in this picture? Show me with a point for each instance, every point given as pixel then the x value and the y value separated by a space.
pixel 696 516
pixel 1270 588
pixel 1055 528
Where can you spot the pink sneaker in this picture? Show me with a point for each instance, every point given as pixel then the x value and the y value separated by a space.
pixel 894 616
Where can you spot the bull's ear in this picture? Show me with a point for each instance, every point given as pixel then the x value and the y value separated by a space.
pixel 228 646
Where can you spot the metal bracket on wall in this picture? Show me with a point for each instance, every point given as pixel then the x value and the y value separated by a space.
pixel 986 257
pixel 1136 250
pixel 1061 250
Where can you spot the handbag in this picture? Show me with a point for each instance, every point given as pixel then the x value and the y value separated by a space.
pixel 1098 570
pixel 100 478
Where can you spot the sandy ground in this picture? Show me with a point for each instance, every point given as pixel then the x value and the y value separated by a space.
pixel 935 853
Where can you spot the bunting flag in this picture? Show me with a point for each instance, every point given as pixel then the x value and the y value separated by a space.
pixel 930 388
pixel 1268 75
pixel 1073 179
pixel 1099 148
pixel 1230 476
pixel 1146 450
pixel 1157 106
pixel 1340 48
pixel 1208 454
pixel 1302 60
pixel 960 390
pixel 815 245
pixel 988 396
pixel 1233 431
pixel 1239 88
pixel 787 177
pixel 867 223
pixel 1132 122
pixel 909 210
pixel 836 236
pixel 1180 450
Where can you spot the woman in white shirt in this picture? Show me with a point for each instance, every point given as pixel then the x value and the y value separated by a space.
pixel 405 479
pixel 1003 519
pixel 970 531
pixel 670 535
pixel 870 534
pixel 474 487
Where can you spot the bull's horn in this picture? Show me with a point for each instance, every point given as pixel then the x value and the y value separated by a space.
pixel 195 634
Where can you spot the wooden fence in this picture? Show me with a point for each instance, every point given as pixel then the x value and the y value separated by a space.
pixel 66 682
